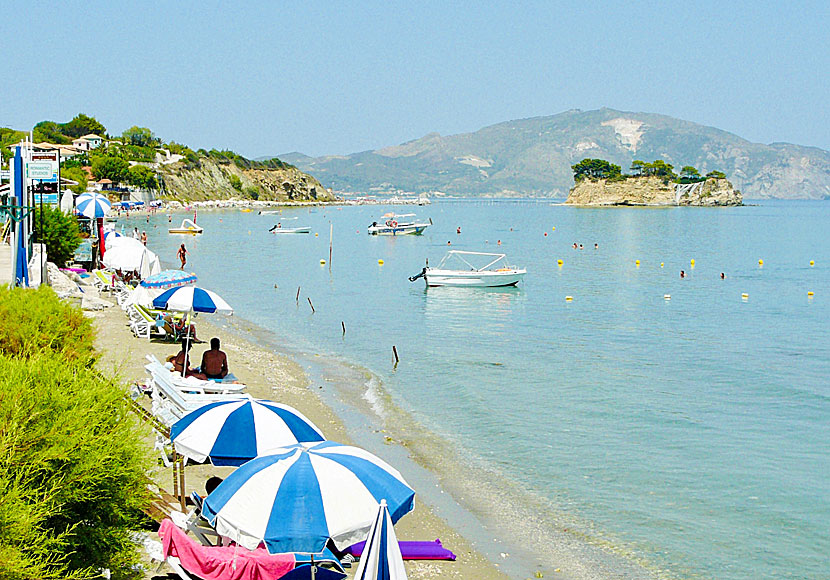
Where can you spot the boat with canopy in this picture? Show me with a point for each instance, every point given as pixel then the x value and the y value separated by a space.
pixel 398 225
pixel 494 273
pixel 187 227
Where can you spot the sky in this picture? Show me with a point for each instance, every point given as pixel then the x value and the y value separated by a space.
pixel 264 78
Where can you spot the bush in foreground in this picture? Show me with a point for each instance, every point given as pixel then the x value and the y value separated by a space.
pixel 72 459
pixel 60 234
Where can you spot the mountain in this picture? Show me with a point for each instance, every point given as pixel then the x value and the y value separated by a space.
pixel 533 157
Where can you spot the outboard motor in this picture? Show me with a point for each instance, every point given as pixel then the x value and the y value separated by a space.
pixel 421 275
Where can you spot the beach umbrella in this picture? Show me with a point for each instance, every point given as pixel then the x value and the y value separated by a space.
pixel 234 432
pixel 381 558
pixel 123 255
pixel 93 205
pixel 192 299
pixel 169 279
pixel 298 498
pixel 142 296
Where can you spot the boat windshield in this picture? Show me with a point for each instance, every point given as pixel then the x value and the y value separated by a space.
pixel 472 259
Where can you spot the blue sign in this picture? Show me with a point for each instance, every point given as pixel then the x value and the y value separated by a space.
pixel 46 198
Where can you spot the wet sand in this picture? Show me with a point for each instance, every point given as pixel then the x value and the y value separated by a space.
pixel 278 378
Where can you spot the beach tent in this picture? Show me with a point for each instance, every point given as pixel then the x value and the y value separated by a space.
pixel 298 498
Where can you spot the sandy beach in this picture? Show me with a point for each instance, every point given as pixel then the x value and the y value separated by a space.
pixel 278 378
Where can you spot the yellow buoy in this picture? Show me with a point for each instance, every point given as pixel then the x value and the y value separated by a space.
pixel 569 298
pixel 693 263
pixel 744 295
pixel 322 262
pixel 661 264
pixel 812 263
pixel 380 262
pixel 560 262
pixel 553 229
pixel 637 263
pixel 760 262
pixel 667 296
pixel 316 235
pixel 810 293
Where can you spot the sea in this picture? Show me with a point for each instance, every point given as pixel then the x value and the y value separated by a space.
pixel 678 425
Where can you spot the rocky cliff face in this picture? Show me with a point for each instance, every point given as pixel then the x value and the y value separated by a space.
pixel 212 180
pixel 654 191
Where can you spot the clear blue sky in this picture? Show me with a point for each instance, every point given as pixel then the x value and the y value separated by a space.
pixel 265 78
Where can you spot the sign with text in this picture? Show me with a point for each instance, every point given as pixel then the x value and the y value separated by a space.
pixel 51 198
pixel 39 170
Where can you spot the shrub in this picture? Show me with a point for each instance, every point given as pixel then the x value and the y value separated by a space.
pixel 72 468
pixel 35 321
pixel 60 233
pixel 236 183
pixel 75 173
pixel 252 192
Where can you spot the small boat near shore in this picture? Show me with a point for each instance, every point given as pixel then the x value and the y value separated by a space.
pixel 187 227
pixel 398 225
pixel 300 230
pixel 494 273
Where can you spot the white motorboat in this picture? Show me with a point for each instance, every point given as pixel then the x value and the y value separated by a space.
pixel 398 225
pixel 300 230
pixel 494 273
pixel 187 227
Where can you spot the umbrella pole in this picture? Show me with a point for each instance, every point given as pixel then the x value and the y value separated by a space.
pixel 187 343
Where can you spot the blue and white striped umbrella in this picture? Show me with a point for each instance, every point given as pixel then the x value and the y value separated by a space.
pixel 381 558
pixel 169 279
pixel 295 500
pixel 191 298
pixel 92 205
pixel 234 432
pixel 111 234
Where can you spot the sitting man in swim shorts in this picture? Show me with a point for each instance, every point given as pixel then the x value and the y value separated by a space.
pixel 214 361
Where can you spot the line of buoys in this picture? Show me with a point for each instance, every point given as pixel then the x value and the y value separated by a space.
pixel 569 298
pixel 380 262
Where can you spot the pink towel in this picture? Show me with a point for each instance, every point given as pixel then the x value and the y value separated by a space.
pixel 222 563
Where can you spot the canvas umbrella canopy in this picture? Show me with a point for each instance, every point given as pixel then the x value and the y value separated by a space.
pixel 381 559
pixel 169 279
pixel 93 205
pixel 297 499
pixel 234 432
pixel 123 255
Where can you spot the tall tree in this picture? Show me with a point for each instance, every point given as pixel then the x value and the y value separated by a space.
pixel 689 172
pixel 142 176
pixel 113 168
pixel 595 169
pixel 140 136
pixel 82 125
pixel 637 167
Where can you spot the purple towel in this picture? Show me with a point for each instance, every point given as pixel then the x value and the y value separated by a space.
pixel 412 550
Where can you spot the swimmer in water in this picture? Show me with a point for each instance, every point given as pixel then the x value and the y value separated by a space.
pixel 722 276
pixel 682 274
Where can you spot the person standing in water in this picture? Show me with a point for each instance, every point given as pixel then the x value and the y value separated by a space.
pixel 182 255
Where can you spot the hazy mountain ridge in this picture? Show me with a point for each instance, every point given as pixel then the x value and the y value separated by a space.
pixel 533 156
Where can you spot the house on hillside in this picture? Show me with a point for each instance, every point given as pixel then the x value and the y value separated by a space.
pixel 87 142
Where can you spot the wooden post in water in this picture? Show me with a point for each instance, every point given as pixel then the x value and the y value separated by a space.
pixel 395 352
pixel 297 299
pixel 310 304
pixel 331 242
pixel 343 325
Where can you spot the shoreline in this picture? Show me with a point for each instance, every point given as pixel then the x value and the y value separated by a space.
pixel 275 376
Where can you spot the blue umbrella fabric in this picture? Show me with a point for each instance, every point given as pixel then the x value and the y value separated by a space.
pixel 92 205
pixel 191 298
pixel 234 432
pixel 381 559
pixel 297 499
pixel 169 279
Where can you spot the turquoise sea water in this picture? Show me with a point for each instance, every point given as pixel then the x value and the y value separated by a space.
pixel 690 433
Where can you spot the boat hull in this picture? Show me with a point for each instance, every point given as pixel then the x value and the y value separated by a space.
pixel 292 230
pixel 472 278
pixel 184 231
